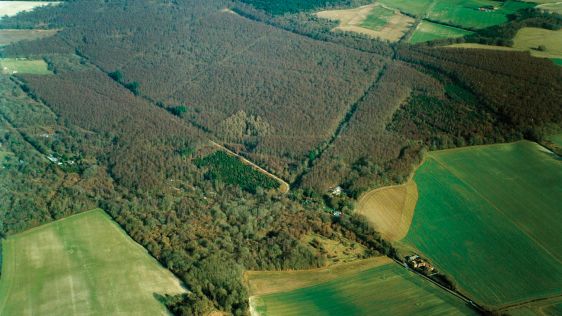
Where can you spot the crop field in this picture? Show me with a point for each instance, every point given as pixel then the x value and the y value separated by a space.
pixel 383 289
pixel 12 36
pixel 489 217
pixel 25 66
pixel 10 8
pixel 81 265
pixel 428 31
pixel 372 20
pixel 390 209
pixel 466 14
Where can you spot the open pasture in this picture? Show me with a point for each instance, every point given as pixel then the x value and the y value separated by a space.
pixel 13 36
pixel 489 217
pixel 549 5
pixel 390 209
pixel 428 31
pixel 383 289
pixel 539 42
pixel 10 66
pixel 474 14
pixel 11 8
pixel 81 265
pixel 372 20
pixel 531 38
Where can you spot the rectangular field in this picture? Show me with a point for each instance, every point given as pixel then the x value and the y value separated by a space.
pixel 428 31
pixel 383 289
pixel 489 217
pixel 10 8
pixel 474 14
pixel 13 36
pixel 373 20
pixel 10 66
pixel 81 265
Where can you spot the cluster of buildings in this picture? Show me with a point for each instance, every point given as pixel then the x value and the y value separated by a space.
pixel 418 263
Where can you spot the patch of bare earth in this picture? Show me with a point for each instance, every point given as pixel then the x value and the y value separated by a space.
pixel 351 20
pixel 390 209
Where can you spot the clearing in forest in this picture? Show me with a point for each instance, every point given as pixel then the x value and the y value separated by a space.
pixel 13 36
pixel 539 42
pixel 376 286
pixel 390 209
pixel 429 31
pixel 489 217
pixel 554 6
pixel 474 14
pixel 11 8
pixel 338 251
pixel 81 265
pixel 373 20
pixel 10 66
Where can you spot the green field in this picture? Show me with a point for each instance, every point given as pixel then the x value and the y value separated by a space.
pixel 489 217
pixel 378 18
pixel 428 31
pixel 530 38
pixel 25 66
pixel 81 265
pixel 384 290
pixel 463 13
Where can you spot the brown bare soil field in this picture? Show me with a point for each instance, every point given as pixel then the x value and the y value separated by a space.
pixel 390 209
pixel 352 19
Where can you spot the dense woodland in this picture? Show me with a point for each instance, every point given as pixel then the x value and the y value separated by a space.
pixel 141 86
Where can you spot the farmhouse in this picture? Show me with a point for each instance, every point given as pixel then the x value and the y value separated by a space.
pixel 416 262
pixel 488 8
pixel 336 191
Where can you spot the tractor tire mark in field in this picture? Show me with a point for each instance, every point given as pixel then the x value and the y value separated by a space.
pixel 284 186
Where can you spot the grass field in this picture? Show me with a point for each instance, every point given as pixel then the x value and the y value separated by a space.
pixel 25 66
pixel 549 5
pixel 390 209
pixel 529 39
pixel 81 265
pixel 428 31
pixel 372 20
pixel 463 13
pixel 10 8
pixel 489 217
pixel 377 18
pixel 383 289
pixel 12 36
